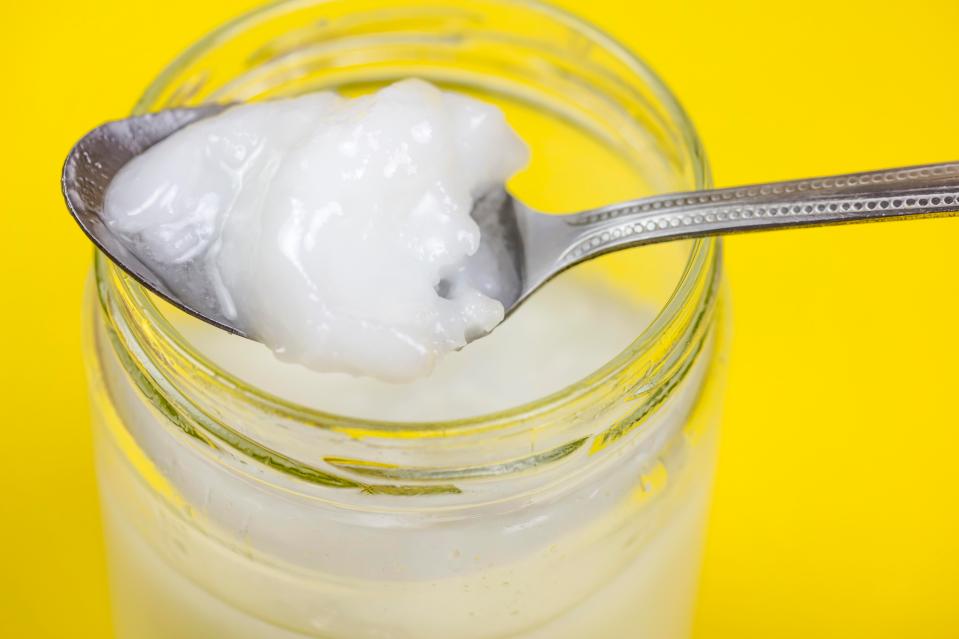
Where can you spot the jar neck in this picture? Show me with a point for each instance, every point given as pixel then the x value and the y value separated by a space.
pixel 305 448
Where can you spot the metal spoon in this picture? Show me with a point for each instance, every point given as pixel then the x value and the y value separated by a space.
pixel 522 248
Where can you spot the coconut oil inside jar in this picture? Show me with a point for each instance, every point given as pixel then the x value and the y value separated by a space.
pixel 562 334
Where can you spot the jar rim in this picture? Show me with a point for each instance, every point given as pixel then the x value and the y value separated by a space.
pixel 702 261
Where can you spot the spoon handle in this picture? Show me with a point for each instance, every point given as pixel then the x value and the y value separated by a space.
pixel 929 191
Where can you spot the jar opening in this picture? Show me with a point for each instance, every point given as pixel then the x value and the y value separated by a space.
pixel 278 51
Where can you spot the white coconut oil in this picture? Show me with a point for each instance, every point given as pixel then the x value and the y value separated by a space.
pixel 324 226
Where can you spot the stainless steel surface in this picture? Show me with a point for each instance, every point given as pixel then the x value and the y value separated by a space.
pixel 522 248
pixel 92 164
pixel 540 246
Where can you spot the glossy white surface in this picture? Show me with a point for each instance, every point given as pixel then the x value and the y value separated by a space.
pixel 324 226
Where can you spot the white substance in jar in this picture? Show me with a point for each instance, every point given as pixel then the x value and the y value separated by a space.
pixel 606 550
pixel 550 342
pixel 323 226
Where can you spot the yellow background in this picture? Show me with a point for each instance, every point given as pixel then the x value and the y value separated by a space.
pixel 835 513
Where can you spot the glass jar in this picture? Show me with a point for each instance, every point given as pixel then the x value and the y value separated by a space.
pixel 233 512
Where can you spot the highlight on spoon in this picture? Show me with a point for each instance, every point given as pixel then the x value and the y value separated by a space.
pixel 91 166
